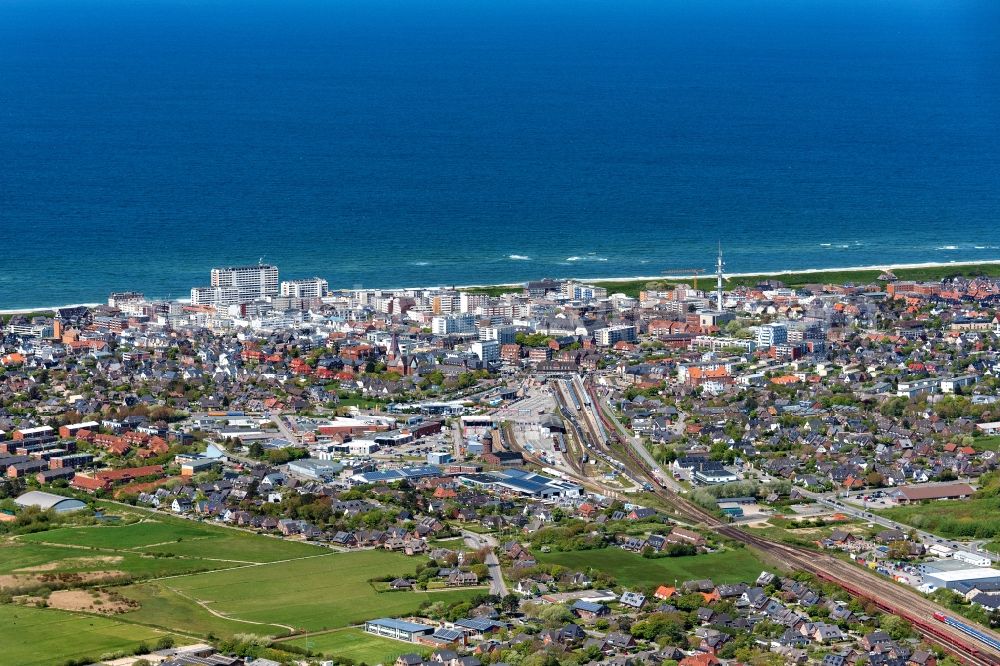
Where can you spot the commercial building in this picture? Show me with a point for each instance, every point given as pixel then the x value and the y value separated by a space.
pixel 315 287
pixel 920 493
pixel 962 578
pixel 520 482
pixel 319 470
pixel 606 337
pixel 399 630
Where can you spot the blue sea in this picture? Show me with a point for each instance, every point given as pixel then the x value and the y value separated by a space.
pixel 438 142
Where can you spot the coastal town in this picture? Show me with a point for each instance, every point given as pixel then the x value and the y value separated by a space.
pixel 555 472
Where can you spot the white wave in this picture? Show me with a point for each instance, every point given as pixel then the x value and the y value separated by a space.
pixel 590 257
pixel 421 263
pixel 519 257
pixel 826 244
pixel 573 258
pixel 947 247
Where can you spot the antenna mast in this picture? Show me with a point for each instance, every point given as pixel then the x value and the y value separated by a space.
pixel 718 275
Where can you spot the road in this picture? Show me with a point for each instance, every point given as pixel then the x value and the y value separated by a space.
pixel 456 431
pixel 637 446
pixel 848 507
pixel 887 595
pixel 497 584
pixel 286 432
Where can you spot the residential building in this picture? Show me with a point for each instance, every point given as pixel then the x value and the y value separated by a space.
pixel 606 337
pixel 315 287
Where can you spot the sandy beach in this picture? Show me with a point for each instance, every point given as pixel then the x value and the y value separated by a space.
pixel 703 277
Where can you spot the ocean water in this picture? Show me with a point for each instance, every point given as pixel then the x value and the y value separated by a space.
pixel 424 142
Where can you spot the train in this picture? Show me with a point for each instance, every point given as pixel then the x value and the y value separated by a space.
pixel 571 390
pixel 968 630
pixel 922 624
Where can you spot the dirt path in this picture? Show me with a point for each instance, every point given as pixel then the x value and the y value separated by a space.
pixel 241 566
pixel 225 616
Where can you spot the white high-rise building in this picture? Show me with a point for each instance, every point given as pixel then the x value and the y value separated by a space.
pixel 315 287
pixel 770 335
pixel 253 282
pixel 488 351
pixel 606 337
pixel 221 297
pixel 505 335
pixel 453 325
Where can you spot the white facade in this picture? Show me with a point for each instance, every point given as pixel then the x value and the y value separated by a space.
pixel 315 287
pixel 505 335
pixel 221 297
pixel 606 337
pixel 770 335
pixel 583 292
pixel 488 351
pixel 253 282
pixel 453 325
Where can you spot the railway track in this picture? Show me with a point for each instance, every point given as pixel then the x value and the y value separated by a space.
pixel 886 595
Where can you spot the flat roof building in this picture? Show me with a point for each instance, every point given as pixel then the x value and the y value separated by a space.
pixel 962 577
pixel 399 630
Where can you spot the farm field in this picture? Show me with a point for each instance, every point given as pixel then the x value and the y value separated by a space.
pixel 312 593
pixel 977 518
pixel 630 569
pixel 357 645
pixel 43 637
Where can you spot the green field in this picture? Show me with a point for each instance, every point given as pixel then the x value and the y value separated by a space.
pixel 970 518
pixel 357 645
pixel 43 637
pixel 986 443
pixel 165 534
pixel 632 570
pixel 17 557
pixel 633 287
pixel 312 594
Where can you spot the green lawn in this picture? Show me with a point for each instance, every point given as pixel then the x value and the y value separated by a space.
pixel 313 594
pixel 357 645
pixel 162 607
pixel 954 519
pixel 15 556
pixel 43 637
pixel 117 537
pixel 631 570
pixel 986 443
pixel 167 534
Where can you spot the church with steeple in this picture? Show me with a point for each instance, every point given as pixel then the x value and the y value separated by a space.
pixel 396 361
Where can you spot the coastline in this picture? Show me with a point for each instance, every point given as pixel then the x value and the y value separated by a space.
pixel 637 278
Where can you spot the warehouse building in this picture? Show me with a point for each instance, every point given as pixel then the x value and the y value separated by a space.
pixel 961 579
